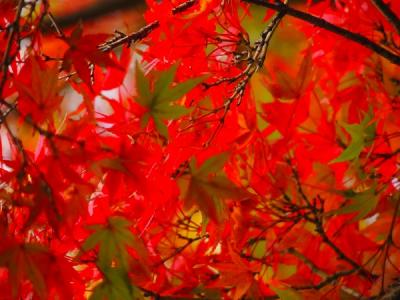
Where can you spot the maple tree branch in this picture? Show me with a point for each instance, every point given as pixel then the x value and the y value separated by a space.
pixel 313 267
pixel 14 35
pixel 327 279
pixel 255 61
pixel 388 13
pixel 44 184
pixel 13 31
pixel 299 186
pixel 5 63
pixel 322 23
pixel 318 222
pixel 341 255
pixel 121 38
pixel 178 250
pixel 8 57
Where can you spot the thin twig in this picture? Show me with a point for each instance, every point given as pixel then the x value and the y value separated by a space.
pixel 178 250
pixel 310 264
pixel 55 25
pixel 254 62
pixel 326 278
pixel 341 255
pixel 123 39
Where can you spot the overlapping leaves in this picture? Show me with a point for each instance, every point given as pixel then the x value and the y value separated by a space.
pixel 113 240
pixel 207 187
pixel 44 270
pixel 116 285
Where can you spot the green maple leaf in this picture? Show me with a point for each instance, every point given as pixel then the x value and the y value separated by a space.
pixel 361 136
pixel 115 286
pixel 159 100
pixel 113 240
pixel 361 203
pixel 287 293
pixel 207 187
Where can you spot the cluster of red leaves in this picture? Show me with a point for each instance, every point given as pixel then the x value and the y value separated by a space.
pixel 134 173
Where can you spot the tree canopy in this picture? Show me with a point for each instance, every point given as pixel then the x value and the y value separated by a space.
pixel 224 149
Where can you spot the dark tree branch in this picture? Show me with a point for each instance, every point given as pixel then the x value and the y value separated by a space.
pixel 123 39
pixel 178 250
pixel 388 13
pixel 318 222
pixel 254 61
pixel 308 262
pixel 328 280
pixel 341 255
pixel 321 23
pixel 101 9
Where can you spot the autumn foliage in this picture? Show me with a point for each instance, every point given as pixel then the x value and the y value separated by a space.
pixel 225 150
